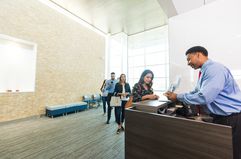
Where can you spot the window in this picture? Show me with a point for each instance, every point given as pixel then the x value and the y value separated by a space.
pixel 117 56
pixel 149 50
pixel 133 54
pixel 17 65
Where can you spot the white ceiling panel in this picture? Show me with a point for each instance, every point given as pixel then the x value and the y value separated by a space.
pixel 183 6
pixel 114 16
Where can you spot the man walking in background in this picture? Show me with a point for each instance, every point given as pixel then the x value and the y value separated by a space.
pixel 110 87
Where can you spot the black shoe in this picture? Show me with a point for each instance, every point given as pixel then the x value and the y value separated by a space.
pixel 107 122
pixel 118 131
pixel 122 128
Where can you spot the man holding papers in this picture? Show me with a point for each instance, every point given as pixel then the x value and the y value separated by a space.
pixel 216 90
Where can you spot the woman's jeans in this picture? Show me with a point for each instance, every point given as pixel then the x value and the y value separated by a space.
pixel 104 100
pixel 120 113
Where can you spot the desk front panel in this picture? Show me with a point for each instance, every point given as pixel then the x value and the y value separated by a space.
pixel 157 136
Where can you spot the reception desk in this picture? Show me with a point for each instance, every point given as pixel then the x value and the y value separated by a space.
pixel 156 136
pixel 151 106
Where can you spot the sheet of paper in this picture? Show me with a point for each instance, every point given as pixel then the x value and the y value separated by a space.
pixel 173 86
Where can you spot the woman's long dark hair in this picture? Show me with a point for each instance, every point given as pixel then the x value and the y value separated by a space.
pixel 144 73
pixel 103 85
pixel 120 79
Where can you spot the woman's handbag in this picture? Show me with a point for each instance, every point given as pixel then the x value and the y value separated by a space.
pixel 129 102
pixel 115 101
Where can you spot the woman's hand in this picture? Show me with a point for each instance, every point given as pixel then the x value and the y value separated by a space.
pixel 150 96
pixel 154 96
pixel 126 94
pixel 123 94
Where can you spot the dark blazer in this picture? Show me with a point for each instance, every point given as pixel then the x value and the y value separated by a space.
pixel 118 88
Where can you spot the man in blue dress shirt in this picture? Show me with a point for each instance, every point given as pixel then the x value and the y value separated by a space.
pixel 217 91
pixel 110 87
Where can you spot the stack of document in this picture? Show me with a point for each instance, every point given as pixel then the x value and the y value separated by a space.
pixel 163 98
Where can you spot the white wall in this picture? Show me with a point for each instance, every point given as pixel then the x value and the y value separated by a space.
pixel 70 58
pixel 216 26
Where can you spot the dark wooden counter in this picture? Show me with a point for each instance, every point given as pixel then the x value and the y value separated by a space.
pixel 154 136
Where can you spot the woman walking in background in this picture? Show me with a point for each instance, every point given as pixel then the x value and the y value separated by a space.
pixel 104 94
pixel 122 89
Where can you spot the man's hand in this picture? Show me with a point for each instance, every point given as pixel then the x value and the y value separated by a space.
pixel 171 96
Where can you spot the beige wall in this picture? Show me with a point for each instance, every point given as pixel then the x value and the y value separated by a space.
pixel 70 59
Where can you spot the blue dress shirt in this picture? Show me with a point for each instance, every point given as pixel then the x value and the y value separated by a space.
pixel 110 85
pixel 216 89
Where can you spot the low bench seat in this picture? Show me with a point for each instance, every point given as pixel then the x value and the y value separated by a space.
pixel 56 110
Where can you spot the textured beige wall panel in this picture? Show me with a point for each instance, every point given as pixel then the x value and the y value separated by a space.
pixel 70 59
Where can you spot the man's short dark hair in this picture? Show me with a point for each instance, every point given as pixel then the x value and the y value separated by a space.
pixel 112 73
pixel 197 49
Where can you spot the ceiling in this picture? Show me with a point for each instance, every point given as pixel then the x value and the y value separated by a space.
pixel 128 16
pixel 115 16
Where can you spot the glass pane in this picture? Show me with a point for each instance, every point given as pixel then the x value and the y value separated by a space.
pixel 131 61
pixel 131 82
pixel 115 61
pixel 135 72
pixel 159 70
pixel 134 52
pixel 117 54
pixel 138 60
pixel 149 50
pixel 153 48
pixel 159 84
pixel 157 58
pixel 130 73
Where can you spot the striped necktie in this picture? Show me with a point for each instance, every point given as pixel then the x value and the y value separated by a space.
pixel 199 74
pixel 198 106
